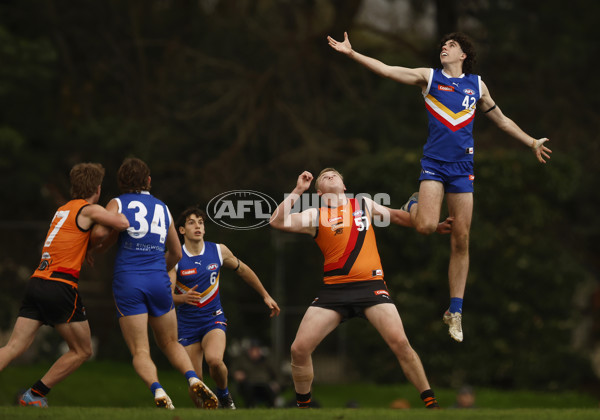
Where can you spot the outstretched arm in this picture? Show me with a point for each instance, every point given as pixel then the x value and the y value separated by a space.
pixel 250 277
pixel 303 222
pixel 494 113
pixel 402 218
pixel 408 76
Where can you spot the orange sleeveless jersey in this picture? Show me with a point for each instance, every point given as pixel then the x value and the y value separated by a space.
pixel 347 241
pixel 65 246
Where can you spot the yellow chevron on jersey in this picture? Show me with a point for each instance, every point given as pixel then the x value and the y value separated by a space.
pixel 205 296
pixel 456 119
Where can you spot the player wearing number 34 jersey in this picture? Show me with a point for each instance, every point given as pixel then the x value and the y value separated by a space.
pixel 147 250
pixel 141 283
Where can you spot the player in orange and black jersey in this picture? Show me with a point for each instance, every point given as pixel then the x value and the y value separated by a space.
pixel 353 277
pixel 51 296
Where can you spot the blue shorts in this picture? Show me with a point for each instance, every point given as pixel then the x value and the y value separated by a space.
pixel 191 331
pixel 457 177
pixel 142 293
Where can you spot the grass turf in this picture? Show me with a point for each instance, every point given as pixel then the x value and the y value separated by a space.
pixel 110 389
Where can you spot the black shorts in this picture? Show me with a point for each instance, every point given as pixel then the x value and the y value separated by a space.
pixel 52 302
pixel 351 299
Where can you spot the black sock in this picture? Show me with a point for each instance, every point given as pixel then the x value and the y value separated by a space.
pixel 303 400
pixel 40 388
pixel 428 398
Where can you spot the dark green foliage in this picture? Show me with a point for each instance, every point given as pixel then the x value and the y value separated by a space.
pixel 226 95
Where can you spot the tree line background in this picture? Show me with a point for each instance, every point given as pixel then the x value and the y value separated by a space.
pixel 218 95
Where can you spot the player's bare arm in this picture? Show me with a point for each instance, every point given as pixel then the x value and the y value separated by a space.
pixel 95 213
pixel 250 277
pixel 405 75
pixel 174 252
pixel 191 297
pixel 493 112
pixel 104 236
pixel 402 218
pixel 303 222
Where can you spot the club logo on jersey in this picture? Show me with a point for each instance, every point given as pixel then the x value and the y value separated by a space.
pixel 446 88
pixel 338 228
pixel 212 267
pixel 241 209
pixel 469 91
pixel 384 293
pixel 45 262
pixel 189 272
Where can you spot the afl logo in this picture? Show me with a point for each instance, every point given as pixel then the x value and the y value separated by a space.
pixel 469 91
pixel 212 266
pixel 241 209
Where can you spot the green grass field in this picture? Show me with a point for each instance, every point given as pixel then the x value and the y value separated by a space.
pixel 107 390
pixel 102 413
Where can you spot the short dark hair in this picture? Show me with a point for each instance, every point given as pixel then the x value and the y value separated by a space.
pixel 466 45
pixel 85 179
pixel 195 210
pixel 133 176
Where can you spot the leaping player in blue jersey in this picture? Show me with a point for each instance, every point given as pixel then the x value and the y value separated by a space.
pixel 451 95
pixel 141 285
pixel 195 283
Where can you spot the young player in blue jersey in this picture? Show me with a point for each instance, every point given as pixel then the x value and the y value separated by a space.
pixel 451 95
pixel 195 282
pixel 141 284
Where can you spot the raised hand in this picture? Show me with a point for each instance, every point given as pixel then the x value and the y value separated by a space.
pixel 304 181
pixel 343 47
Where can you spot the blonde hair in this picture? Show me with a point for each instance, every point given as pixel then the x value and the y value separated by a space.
pixel 321 174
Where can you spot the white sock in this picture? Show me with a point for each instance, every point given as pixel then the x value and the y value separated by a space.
pixel 159 393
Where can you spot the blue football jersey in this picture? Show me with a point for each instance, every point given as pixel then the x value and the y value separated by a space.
pixel 202 270
pixel 141 248
pixel 451 103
